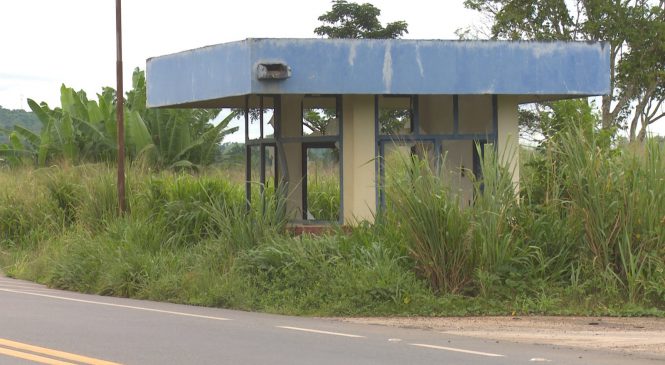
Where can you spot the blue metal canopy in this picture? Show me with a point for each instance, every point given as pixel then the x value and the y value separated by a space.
pixel 217 75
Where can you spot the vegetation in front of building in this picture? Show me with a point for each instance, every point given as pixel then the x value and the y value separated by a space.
pixel 586 236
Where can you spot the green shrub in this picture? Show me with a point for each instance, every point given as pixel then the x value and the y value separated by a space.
pixel 327 275
pixel 585 236
pixel 240 228
pixel 186 203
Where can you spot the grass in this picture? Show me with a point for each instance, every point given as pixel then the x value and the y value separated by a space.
pixel 585 236
pixel 435 224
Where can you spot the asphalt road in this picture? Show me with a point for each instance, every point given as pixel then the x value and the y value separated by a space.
pixel 45 326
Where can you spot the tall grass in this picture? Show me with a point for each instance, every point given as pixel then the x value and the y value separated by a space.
pixel 243 229
pixel 183 202
pixel 436 225
pixel 585 234
pixel 591 216
pixel 25 207
pixel 323 198
pixel 494 215
pixel 618 196
pixel 340 274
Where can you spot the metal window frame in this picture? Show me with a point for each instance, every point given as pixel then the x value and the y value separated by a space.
pixel 335 141
pixel 304 147
pixel 416 136
pixel 262 143
pixel 277 142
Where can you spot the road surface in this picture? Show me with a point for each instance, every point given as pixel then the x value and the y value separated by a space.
pixel 46 326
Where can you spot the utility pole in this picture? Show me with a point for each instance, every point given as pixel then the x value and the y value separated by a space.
pixel 120 118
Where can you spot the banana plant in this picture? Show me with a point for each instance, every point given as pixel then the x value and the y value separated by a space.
pixel 58 136
pixel 15 153
pixel 80 130
pixel 83 130
pixel 177 144
pixel 181 138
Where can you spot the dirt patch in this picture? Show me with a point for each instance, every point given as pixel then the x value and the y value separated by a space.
pixel 637 336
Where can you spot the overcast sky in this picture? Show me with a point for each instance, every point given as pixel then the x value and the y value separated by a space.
pixel 46 43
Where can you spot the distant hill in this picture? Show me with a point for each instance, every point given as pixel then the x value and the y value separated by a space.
pixel 10 118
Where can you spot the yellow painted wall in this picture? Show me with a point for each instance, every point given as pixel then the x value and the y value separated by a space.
pixel 291 125
pixel 508 147
pixel 359 153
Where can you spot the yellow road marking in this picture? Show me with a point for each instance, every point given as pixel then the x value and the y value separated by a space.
pixel 49 352
pixel 35 358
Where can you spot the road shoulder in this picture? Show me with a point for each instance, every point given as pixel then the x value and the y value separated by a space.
pixel 642 337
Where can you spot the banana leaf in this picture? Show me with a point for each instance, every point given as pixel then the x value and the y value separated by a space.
pixel 30 136
pixel 45 144
pixel 68 139
pixel 136 133
pixel 41 114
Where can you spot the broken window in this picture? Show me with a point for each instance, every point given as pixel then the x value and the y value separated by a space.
pixel 262 119
pixel 395 115
pixel 322 183
pixel 319 116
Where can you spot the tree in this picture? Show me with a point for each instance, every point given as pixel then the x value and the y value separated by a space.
pixel 318 120
pixel 10 118
pixel 635 30
pixel 351 20
pixel 547 121
pixel 83 130
pixel 392 121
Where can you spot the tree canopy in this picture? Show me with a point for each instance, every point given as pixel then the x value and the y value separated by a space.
pixel 352 20
pixel 635 30
pixel 9 118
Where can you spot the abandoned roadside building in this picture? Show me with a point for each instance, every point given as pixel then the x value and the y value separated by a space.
pixel 358 99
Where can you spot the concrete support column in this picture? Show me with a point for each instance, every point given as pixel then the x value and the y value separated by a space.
pixel 291 126
pixel 508 135
pixel 359 155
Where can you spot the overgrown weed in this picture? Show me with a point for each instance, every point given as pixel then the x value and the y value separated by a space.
pixel 585 235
